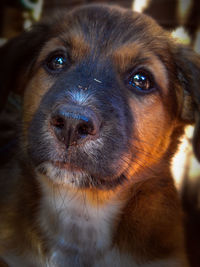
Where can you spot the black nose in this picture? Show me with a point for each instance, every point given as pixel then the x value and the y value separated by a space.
pixel 74 125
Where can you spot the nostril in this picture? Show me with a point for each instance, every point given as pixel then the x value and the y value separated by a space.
pixel 58 122
pixel 72 125
pixel 84 129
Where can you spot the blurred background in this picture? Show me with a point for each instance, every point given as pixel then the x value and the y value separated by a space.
pixel 182 18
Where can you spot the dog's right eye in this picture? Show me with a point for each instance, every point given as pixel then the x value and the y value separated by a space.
pixel 56 62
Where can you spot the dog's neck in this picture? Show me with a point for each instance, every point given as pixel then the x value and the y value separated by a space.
pixel 80 221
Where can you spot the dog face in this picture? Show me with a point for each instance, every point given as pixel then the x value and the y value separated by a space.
pixel 106 95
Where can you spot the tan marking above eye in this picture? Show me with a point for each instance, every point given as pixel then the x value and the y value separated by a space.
pixel 124 56
pixel 135 55
pixel 54 44
pixel 74 46
pixel 79 48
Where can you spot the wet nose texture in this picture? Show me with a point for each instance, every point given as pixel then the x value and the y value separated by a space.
pixel 74 125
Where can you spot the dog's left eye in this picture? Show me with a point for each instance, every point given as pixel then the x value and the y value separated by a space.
pixel 56 62
pixel 141 81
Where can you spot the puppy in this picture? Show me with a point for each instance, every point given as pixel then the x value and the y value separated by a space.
pixel 107 94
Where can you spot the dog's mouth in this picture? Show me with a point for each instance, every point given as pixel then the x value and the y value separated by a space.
pixel 67 174
pixel 97 163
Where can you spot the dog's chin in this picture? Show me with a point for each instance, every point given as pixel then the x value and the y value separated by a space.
pixel 64 174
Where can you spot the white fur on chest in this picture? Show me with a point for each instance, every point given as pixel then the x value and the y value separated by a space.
pixel 80 232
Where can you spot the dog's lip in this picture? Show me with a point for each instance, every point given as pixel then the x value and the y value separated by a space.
pixel 107 182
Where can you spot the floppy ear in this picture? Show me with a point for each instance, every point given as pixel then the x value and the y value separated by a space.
pixel 188 69
pixel 16 57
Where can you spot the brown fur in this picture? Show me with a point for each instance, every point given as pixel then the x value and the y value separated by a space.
pixel 148 226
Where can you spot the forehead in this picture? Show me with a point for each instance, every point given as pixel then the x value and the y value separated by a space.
pixel 109 27
pixel 113 35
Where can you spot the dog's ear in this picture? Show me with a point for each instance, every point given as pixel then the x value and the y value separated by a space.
pixel 16 57
pixel 188 71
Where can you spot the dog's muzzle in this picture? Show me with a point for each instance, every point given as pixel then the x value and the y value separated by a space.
pixel 74 125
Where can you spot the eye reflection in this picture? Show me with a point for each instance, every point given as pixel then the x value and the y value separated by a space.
pixel 56 62
pixel 140 81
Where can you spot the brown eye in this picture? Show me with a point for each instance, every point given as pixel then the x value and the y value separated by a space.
pixel 56 62
pixel 141 81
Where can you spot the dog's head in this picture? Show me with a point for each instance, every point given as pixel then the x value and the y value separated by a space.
pixel 106 94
